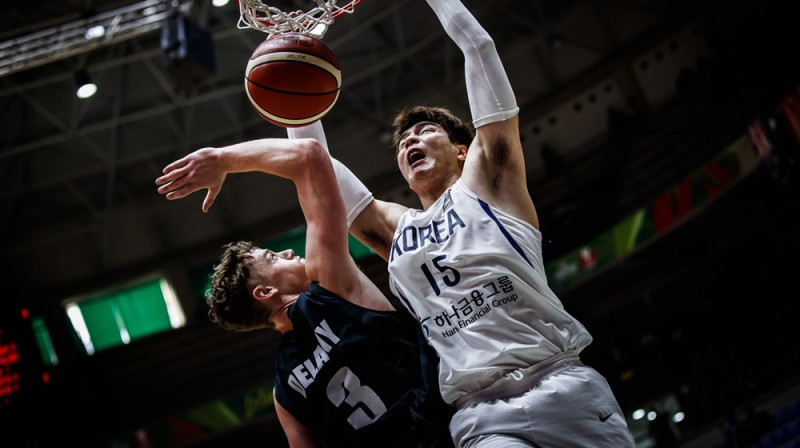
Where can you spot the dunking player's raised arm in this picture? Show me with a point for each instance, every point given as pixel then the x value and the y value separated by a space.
pixel 491 98
pixel 494 167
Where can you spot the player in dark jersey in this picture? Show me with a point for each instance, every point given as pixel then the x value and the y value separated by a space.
pixel 352 370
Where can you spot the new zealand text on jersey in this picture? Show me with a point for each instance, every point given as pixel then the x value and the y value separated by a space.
pixel 437 231
pixel 303 375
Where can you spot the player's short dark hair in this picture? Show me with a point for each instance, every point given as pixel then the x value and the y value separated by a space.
pixel 460 132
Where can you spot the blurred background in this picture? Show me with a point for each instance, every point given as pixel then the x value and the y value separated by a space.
pixel 661 141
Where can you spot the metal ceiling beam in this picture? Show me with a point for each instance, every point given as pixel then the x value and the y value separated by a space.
pixel 74 38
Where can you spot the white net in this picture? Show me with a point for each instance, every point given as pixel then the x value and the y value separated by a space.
pixel 271 20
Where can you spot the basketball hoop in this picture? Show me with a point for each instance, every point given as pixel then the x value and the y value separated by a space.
pixel 271 20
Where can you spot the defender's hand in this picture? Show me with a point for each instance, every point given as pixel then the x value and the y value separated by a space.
pixel 198 170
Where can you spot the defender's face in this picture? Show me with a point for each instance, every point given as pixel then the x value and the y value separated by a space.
pixel 282 270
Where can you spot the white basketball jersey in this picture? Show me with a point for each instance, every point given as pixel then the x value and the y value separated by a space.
pixel 475 278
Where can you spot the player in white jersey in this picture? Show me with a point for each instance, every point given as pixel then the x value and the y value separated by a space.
pixel 486 297
pixel 469 266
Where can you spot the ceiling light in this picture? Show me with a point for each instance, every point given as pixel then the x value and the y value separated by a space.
pixel 86 87
pixel 95 32
pixel 219 3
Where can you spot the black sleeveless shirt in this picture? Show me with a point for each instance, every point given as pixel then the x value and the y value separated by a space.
pixel 360 377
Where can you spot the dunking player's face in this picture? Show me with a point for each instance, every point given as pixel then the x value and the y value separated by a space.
pixel 427 158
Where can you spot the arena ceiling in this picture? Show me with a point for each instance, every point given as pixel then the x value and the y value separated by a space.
pixel 77 187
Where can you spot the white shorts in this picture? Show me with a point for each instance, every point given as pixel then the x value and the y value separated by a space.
pixel 573 407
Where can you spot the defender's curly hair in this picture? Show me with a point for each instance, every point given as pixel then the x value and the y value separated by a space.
pixel 229 301
pixel 460 132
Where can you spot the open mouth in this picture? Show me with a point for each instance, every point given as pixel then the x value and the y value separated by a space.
pixel 414 156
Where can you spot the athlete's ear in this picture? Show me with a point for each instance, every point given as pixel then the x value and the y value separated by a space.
pixel 462 152
pixel 263 292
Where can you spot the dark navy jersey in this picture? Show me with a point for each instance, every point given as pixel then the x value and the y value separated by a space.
pixel 360 377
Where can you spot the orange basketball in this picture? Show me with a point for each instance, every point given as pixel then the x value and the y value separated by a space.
pixel 293 79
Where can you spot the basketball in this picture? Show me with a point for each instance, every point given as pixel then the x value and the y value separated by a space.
pixel 293 79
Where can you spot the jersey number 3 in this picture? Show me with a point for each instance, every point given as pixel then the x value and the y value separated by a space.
pixel 345 387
